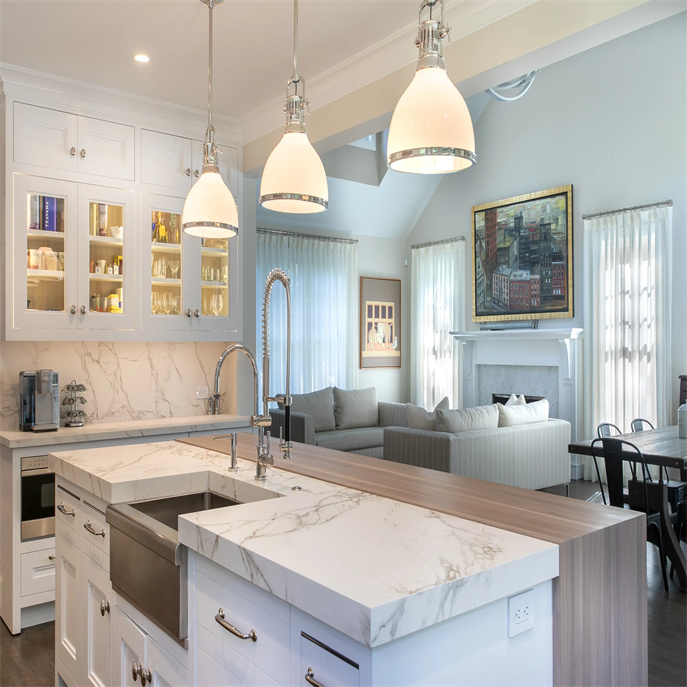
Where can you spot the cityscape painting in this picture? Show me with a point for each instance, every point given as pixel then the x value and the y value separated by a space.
pixel 522 257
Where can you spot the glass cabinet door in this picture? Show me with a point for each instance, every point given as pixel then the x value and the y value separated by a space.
pixel 164 263
pixel 44 253
pixel 214 271
pixel 106 229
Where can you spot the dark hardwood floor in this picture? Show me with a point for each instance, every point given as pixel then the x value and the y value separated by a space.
pixel 28 660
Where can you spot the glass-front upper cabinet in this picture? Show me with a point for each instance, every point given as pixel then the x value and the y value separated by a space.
pixel 71 243
pixel 106 255
pixel 45 249
pixel 187 277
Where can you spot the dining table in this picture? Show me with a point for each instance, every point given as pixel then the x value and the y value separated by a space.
pixel 664 448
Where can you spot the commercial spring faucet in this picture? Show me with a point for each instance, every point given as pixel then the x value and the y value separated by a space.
pixel 277 275
pixel 256 420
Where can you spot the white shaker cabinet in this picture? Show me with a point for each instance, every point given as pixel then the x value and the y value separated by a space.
pixel 60 140
pixel 98 604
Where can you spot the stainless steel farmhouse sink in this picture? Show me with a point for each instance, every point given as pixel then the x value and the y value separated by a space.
pixel 148 566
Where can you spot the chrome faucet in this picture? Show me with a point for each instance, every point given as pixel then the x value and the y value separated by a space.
pixel 284 441
pixel 256 420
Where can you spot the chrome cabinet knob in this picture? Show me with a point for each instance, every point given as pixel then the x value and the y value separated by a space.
pixel 72 310
pixel 145 674
pixel 196 174
pixel 51 557
pixel 188 171
pixel 83 309
pixel 188 312
pixel 83 153
pixel 72 151
pixel 196 313
pixel 134 671
pixel 104 606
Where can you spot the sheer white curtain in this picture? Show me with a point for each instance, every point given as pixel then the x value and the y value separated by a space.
pixel 437 308
pixel 324 325
pixel 627 306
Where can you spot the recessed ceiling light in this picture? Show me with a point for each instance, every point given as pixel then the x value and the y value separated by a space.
pixel 142 58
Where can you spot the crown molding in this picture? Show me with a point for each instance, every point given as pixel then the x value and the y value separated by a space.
pixel 379 60
pixel 29 84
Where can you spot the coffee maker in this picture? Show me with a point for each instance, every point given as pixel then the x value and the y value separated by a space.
pixel 39 400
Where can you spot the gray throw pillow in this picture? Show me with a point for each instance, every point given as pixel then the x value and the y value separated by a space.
pixel 419 418
pixel 480 417
pixel 318 404
pixel 355 408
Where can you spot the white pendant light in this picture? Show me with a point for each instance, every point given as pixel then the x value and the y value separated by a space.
pixel 210 210
pixel 431 130
pixel 294 179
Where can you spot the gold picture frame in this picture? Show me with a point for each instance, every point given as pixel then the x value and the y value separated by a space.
pixel 380 322
pixel 522 257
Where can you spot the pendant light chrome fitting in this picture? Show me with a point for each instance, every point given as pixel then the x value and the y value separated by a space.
pixel 210 209
pixel 294 180
pixel 431 129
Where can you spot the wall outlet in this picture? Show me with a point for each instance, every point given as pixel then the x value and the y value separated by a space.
pixel 201 392
pixel 520 613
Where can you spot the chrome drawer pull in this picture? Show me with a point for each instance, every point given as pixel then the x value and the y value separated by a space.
pixel 310 678
pixel 51 557
pixel 64 510
pixel 90 528
pixel 220 619
pixel 134 671
pixel 104 606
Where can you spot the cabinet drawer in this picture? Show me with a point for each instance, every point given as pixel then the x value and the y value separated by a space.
pixel 96 533
pixel 67 507
pixel 247 608
pixel 212 673
pixel 325 664
pixel 37 571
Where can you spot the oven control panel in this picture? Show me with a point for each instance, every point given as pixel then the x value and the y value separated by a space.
pixel 34 463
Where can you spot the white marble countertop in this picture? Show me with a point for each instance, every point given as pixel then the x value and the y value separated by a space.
pixel 373 568
pixel 100 431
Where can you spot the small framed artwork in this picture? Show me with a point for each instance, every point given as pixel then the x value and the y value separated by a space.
pixel 380 322
pixel 522 267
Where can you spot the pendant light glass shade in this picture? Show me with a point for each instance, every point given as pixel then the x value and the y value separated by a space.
pixel 431 129
pixel 210 210
pixel 294 179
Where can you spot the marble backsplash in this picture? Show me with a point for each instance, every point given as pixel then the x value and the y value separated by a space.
pixel 531 380
pixel 124 380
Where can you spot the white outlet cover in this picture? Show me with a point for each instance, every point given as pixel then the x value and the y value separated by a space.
pixel 201 392
pixel 520 613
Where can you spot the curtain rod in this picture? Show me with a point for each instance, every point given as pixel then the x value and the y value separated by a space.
pixel 660 204
pixel 314 237
pixel 438 243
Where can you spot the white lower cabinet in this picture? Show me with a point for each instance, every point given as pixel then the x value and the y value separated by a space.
pixel 37 570
pixel 140 659
pixel 98 625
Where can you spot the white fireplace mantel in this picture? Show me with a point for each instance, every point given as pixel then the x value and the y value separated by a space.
pixel 557 348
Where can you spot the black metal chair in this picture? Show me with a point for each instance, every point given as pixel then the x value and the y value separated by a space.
pixel 643 494
pixel 606 429
pixel 639 424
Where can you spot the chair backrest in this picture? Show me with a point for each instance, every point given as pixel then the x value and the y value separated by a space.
pixel 615 452
pixel 639 424
pixel 606 429
pixel 597 445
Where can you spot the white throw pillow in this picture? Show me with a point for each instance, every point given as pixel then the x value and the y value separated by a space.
pixel 419 418
pixel 480 417
pixel 523 415
pixel 516 400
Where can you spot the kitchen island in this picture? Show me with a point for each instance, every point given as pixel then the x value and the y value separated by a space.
pixel 401 587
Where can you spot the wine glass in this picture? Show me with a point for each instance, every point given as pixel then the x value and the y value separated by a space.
pixel 216 304
pixel 174 266
pixel 167 302
pixel 155 303
pixel 206 306
pixel 175 304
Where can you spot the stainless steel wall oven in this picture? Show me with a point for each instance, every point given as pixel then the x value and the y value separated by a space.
pixel 37 498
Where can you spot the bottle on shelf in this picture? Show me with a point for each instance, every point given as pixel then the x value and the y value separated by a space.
pixel 102 219
pixel 173 236
pixel 161 229
pixel 154 229
pixel 93 222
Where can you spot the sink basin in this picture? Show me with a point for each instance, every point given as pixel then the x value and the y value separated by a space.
pixel 167 510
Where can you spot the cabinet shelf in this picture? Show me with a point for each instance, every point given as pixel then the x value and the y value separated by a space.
pixel 214 252
pixel 46 235
pixel 164 281
pixel 165 247
pixel 107 277
pixel 44 275
pixel 213 285
pixel 106 240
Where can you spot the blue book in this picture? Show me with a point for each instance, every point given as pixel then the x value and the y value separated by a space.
pixel 49 214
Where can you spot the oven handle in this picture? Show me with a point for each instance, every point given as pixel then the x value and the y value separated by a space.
pixel 29 472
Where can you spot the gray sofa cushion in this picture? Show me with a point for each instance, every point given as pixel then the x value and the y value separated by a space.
pixel 355 408
pixel 318 404
pixel 419 418
pixel 351 439
pixel 479 417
